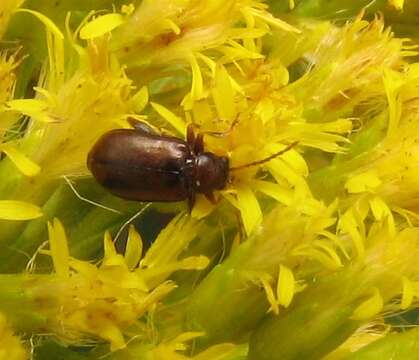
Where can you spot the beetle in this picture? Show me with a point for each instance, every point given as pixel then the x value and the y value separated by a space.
pixel 139 164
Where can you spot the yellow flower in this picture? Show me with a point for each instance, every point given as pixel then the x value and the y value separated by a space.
pixel 10 346
pixel 346 68
pixel 68 113
pixel 105 300
pixel 375 271
pixel 8 64
pixel 175 30
pixel 313 240
pixel 259 105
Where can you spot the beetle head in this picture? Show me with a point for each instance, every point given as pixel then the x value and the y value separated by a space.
pixel 211 172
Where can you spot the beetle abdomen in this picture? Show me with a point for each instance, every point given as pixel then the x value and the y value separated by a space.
pixel 140 167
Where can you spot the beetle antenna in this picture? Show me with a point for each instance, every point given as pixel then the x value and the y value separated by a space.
pixel 129 221
pixel 69 183
pixel 258 162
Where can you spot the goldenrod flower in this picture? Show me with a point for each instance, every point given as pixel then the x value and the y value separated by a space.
pixel 311 248
pixel 10 346
pixel 83 301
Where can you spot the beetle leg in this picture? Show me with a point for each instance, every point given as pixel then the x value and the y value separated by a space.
pixel 141 126
pixel 189 177
pixel 191 200
pixel 195 142
pixel 190 135
pixel 210 196
pixel 199 144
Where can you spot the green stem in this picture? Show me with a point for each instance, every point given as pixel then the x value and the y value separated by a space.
pixel 225 305
pixel 21 301
pixel 400 346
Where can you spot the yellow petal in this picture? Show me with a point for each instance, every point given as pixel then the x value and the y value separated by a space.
pixel 18 210
pixel 134 248
pixel 318 254
pixel 296 161
pixel 187 336
pixel 197 83
pixel 392 82
pixel 140 100
pixel 379 208
pixel 249 208
pixel 348 224
pixel 171 241
pixel 46 21
pixel 194 263
pixel 171 118
pixel 23 163
pixel 281 170
pixel 269 19
pixel 100 26
pixel 202 208
pixel 84 268
pixel 108 245
pixel 59 248
pixel 286 286
pixel 162 271
pixel 112 333
pixel 382 212
pixel 369 308
pixel 208 61
pixel 330 252
pixel 407 294
pixel 246 33
pixel 235 52
pixel 336 240
pixel 217 352
pixel 340 126
pixel 367 181
pixel 223 94
pixel 270 295
pixel 265 109
pixel 273 190
pixel 33 108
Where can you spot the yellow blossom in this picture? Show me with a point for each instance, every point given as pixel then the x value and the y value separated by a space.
pixel 10 346
pixel 105 300
pixel 308 251
pixel 8 64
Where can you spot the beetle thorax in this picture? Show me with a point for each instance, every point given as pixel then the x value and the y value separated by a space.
pixel 211 172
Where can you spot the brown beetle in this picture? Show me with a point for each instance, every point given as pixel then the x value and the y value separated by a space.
pixel 138 164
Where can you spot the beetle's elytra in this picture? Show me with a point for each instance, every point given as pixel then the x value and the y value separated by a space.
pixel 138 164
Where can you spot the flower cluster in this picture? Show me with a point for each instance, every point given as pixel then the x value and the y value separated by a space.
pixel 310 250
